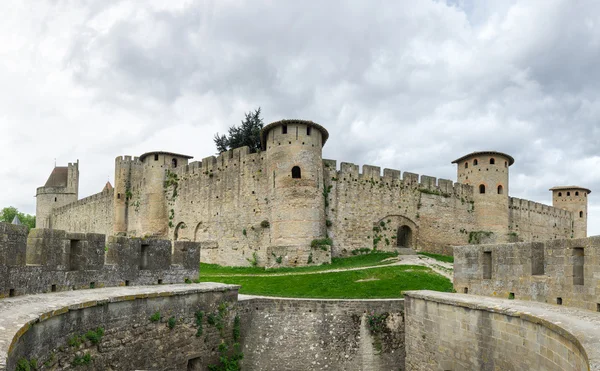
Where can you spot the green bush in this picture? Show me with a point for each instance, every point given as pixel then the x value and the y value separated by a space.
pixel 322 243
pixel 95 336
pixel 172 322
pixel 155 317
pixel 82 360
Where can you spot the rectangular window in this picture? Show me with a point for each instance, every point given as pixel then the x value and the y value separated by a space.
pixel 11 293
pixel 53 288
pixel 487 265
pixel 578 257
pixel 284 129
pixel 537 259
pixel 144 257
pixel 156 157
pixel 308 130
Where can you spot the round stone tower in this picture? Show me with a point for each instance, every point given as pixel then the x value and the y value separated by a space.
pixel 294 165
pixel 487 172
pixel 575 200
pixel 157 167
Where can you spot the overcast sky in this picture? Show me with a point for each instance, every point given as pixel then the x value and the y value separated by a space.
pixel 408 85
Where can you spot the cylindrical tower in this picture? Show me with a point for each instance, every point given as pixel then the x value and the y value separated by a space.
pixel 122 184
pixel 157 167
pixel 575 200
pixel 294 166
pixel 487 172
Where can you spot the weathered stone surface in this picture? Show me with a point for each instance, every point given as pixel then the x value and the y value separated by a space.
pixel 563 270
pixel 54 260
pixel 310 334
pixel 45 327
pixel 465 332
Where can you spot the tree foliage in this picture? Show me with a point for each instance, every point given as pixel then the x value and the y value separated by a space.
pixel 247 134
pixel 8 214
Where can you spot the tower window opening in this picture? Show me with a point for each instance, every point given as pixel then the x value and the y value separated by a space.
pixel 581 214
pixel 576 193
pixel 156 157
pixel 492 161
pixel 284 129
pixel 487 265
pixel 559 194
pixel 568 193
pixel 500 190
pixel 474 162
pixel 482 188
pixel 505 163
pixel 55 199
pixel 174 162
pixel 308 130
pixel 466 165
pixel 296 172
pixel 118 196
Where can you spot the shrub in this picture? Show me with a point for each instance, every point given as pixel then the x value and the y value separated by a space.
pixel 155 317
pixel 82 360
pixel 172 322
pixel 328 223
pixel 95 336
pixel 322 243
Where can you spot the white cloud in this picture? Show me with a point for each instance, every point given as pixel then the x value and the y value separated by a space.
pixel 406 85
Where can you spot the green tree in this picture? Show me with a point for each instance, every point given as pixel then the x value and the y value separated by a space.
pixel 8 214
pixel 247 134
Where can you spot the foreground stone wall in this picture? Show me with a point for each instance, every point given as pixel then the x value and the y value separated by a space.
pixel 464 332
pixel 47 260
pixel 561 271
pixel 50 329
pixel 304 334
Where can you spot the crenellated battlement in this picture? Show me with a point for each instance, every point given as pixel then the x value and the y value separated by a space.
pixel 129 160
pixel 538 208
pixel 107 193
pixel 369 172
pixel 48 260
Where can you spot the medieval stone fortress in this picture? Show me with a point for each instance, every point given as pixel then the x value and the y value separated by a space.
pixel 278 202
pixel 106 282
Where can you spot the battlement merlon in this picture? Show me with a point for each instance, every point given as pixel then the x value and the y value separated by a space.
pixel 536 207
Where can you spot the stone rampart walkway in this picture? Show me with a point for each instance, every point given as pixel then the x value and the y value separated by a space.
pixel 17 314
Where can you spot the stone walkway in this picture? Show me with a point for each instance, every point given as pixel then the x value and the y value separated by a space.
pixel 439 267
pixel 18 312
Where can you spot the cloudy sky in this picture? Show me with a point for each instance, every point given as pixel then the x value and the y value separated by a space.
pixel 409 85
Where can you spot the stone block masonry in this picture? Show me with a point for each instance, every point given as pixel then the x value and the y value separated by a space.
pixel 267 208
pixel 303 334
pixel 47 260
pixel 565 272
pixel 453 332
pixel 149 328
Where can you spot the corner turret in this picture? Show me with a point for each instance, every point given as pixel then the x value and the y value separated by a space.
pixel 488 173
pixel 575 200
pixel 61 188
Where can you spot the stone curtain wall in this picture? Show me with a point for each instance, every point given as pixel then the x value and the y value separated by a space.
pixel 451 332
pixel 55 337
pixel 297 334
pixel 532 221
pixel 358 202
pixel 221 202
pixel 561 270
pixel 53 260
pixel 93 214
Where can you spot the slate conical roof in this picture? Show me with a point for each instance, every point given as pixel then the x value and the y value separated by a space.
pixel 16 221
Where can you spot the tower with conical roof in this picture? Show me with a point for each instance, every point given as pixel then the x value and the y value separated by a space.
pixel 61 188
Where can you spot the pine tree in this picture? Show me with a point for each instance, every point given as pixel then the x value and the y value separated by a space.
pixel 247 134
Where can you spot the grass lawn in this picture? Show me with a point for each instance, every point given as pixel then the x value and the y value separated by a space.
pixel 442 258
pixel 351 262
pixel 381 282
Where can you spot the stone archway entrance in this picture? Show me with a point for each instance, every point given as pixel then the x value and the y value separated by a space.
pixel 404 237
